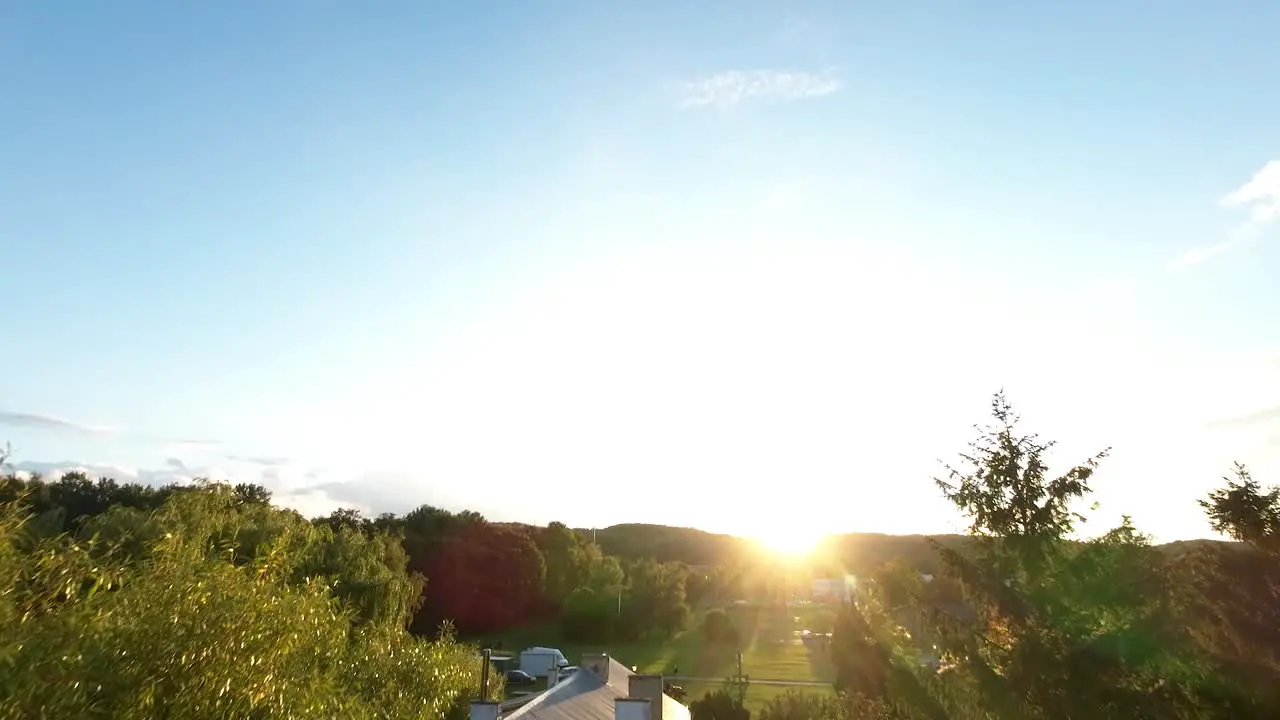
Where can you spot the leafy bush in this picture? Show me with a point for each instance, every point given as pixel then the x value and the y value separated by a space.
pixel 719 705
pixel 797 705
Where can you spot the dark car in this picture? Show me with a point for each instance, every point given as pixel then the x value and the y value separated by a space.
pixel 520 677
pixel 675 691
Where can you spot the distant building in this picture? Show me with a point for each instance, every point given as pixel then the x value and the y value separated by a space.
pixel 835 590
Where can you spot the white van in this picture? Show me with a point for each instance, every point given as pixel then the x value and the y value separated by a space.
pixel 542 661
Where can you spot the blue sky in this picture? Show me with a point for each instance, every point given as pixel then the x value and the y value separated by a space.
pixel 753 267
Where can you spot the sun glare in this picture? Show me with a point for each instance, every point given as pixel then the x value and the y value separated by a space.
pixel 790 542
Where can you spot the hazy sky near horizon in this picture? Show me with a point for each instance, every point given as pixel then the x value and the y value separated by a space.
pixel 730 265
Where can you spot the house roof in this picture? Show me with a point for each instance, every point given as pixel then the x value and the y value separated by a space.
pixel 584 696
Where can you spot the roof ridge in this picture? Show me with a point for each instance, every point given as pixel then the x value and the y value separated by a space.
pixel 542 696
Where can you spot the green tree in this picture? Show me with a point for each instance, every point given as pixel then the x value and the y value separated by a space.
pixel 345 518
pixel 250 493
pixel 568 561
pixel 591 612
pixel 1051 628
pixel 654 600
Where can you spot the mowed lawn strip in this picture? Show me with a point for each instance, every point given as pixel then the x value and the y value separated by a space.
pixel 776 649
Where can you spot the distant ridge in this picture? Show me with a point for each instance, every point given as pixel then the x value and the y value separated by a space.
pixel 859 553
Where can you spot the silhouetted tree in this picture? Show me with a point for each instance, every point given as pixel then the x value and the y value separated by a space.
pixel 249 493
pixel 1243 511
pixel 345 519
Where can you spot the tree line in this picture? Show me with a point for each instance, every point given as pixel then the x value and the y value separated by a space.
pixel 486 577
pixel 481 577
pixel 125 600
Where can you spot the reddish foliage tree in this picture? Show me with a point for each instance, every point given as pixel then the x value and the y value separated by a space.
pixel 484 577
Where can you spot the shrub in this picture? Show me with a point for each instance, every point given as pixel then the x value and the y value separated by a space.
pixel 797 705
pixel 719 705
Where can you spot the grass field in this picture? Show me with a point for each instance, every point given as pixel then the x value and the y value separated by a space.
pixel 772 649
pixel 756 695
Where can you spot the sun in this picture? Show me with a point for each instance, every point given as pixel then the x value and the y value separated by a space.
pixel 790 542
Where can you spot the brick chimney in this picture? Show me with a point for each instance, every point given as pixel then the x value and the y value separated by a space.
pixel 631 709
pixel 647 687
pixel 597 664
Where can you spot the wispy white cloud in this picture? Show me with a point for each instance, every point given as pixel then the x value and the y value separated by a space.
pixel 184 460
pixel 188 448
pixel 263 460
pixel 53 423
pixel 189 444
pixel 1204 253
pixel 288 488
pixel 309 490
pixel 39 421
pixel 1261 196
pixel 732 87
pixel 174 471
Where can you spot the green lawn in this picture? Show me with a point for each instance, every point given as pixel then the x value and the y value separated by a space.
pixel 756 696
pixel 772 649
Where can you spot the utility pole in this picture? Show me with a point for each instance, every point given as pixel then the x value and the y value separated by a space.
pixel 485 656
pixel 739 679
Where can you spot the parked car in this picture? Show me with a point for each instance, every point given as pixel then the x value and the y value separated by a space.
pixel 675 691
pixel 520 677
pixel 567 671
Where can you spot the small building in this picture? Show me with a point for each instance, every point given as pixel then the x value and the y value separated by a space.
pixel 601 689
pixel 837 590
